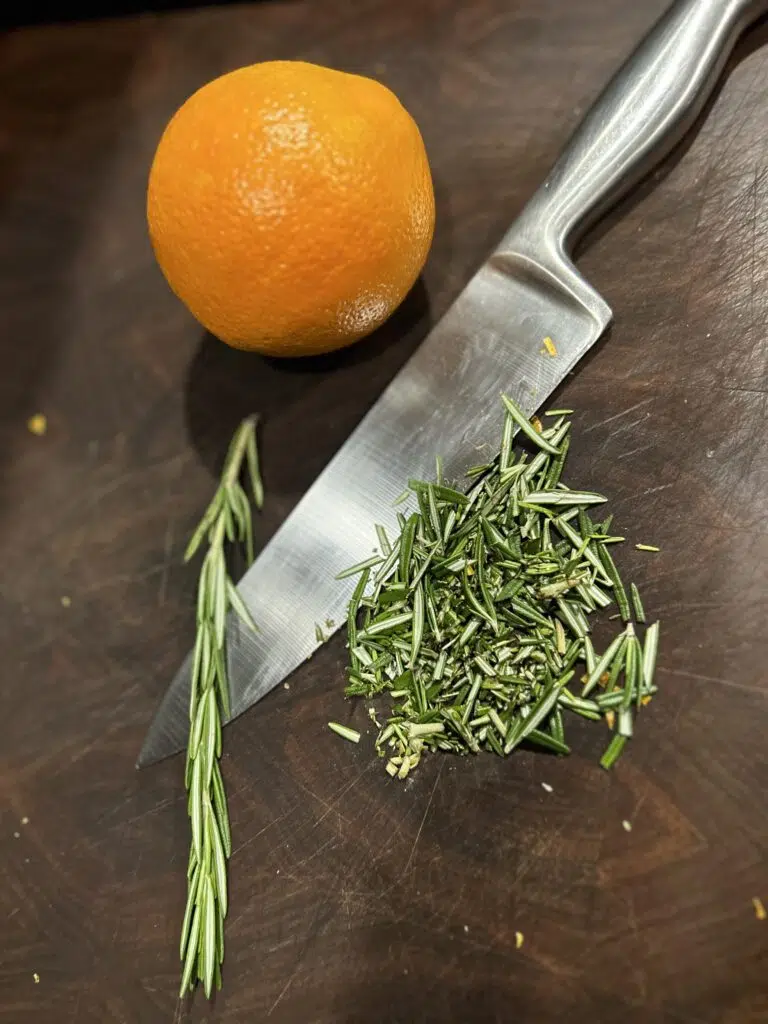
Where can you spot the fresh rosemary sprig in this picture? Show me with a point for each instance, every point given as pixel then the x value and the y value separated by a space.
pixel 475 619
pixel 226 520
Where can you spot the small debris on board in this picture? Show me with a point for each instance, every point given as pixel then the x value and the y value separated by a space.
pixel 546 787
pixel 25 820
pixel 36 978
pixel 549 347
pixel 66 601
pixel 37 424
pixel 760 912
pixel 626 825
pixel 519 940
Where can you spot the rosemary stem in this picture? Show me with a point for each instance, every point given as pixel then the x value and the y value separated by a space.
pixel 228 517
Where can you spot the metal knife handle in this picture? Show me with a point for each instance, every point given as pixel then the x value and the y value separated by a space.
pixel 642 113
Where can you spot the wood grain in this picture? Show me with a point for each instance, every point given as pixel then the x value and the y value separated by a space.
pixel 354 899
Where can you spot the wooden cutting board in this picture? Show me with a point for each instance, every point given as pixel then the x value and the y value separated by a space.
pixel 354 899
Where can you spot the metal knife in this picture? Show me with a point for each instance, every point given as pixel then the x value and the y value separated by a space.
pixel 445 401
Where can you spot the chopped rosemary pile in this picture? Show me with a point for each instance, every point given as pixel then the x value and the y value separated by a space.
pixel 475 620
pixel 227 519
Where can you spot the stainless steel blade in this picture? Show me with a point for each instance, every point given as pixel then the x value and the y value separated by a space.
pixel 446 400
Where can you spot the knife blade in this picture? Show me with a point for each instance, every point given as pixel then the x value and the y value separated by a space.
pixel 445 401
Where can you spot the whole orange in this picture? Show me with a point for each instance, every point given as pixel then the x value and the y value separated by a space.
pixel 291 207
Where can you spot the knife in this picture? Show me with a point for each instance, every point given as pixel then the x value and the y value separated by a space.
pixel 445 401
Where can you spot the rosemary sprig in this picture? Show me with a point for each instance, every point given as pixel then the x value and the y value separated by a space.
pixel 476 618
pixel 226 520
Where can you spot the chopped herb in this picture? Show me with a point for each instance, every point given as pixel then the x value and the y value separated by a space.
pixel 618 587
pixel 476 619
pixel 613 752
pixel 347 734
pixel 760 912
pixel 614 651
pixel 353 570
pixel 647 547
pixel 637 603
pixel 563 498
pixel 525 425
pixel 650 650
pixel 384 544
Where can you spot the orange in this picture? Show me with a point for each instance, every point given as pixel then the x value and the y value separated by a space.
pixel 291 207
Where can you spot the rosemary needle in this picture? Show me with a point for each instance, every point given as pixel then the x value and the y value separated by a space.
pixel 346 733
pixel 227 519
pixel 525 425
pixel 637 603
pixel 613 752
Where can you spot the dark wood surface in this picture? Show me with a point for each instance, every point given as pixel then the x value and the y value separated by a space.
pixel 355 899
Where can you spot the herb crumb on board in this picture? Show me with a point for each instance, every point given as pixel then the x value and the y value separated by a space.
pixel 346 733
pixel 38 424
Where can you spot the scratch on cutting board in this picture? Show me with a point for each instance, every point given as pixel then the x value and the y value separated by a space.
pixel 167 548
pixel 535 853
pixel 619 415
pixel 634 451
pixel 269 825
pixel 284 989
pixel 331 842
pixel 334 803
pixel 760 690
pixel 424 817
pixel 318 921
pixel 642 494
pixel 639 973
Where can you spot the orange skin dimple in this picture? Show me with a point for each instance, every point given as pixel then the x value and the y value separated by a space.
pixel 291 207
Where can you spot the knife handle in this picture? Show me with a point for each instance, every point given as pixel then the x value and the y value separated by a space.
pixel 637 120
